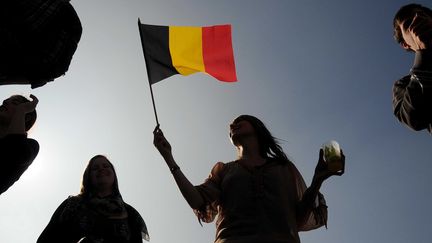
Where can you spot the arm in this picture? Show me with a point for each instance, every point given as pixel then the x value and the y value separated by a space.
pixel 189 192
pixel 312 202
pixel 17 153
pixel 412 95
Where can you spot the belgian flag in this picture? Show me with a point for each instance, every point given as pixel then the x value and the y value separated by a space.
pixel 170 50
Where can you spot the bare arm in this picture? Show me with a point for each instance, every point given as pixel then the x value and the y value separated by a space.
pixel 189 192
pixel 310 197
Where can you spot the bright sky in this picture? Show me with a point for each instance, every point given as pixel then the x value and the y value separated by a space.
pixel 311 70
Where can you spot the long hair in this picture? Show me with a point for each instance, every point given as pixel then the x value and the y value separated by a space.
pixel 268 145
pixel 87 189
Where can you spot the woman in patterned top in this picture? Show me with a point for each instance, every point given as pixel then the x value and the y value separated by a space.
pixel 259 197
pixel 98 214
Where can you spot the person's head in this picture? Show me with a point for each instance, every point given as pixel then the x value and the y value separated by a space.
pixel 247 126
pixel 7 110
pixel 99 173
pixel 403 18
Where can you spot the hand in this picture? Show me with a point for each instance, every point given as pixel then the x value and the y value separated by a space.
pixel 322 172
pixel 27 107
pixel 161 143
pixel 418 35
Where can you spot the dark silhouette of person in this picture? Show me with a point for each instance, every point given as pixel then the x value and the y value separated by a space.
pixel 17 152
pixel 259 197
pixel 38 40
pixel 98 213
pixel 412 94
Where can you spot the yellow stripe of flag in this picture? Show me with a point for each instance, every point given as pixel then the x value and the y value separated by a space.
pixel 185 45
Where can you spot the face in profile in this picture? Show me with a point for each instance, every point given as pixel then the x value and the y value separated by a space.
pixel 101 173
pixel 240 128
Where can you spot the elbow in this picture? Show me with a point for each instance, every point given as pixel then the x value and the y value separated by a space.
pixel 417 128
pixel 197 204
pixel 412 119
pixel 414 124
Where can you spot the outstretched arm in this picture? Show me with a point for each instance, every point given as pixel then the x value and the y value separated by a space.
pixel 189 192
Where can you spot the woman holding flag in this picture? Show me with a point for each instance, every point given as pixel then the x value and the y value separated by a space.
pixel 259 197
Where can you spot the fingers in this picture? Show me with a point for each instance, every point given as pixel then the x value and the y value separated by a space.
pixel 35 100
pixel 413 22
pixel 157 129
pixel 421 26
pixel 343 159
pixel 159 139
pixel 321 154
pixel 27 107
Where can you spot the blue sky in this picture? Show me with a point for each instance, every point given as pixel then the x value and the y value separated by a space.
pixel 311 70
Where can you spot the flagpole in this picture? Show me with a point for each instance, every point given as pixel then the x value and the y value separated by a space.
pixel 148 78
pixel 154 106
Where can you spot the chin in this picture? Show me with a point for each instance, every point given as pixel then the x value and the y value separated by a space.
pixel 237 138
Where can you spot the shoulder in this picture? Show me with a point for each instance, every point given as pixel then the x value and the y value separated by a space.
pixel 67 209
pixel 402 82
pixel 218 167
pixel 219 170
pixel 74 199
pixel 286 165
pixel 130 209
pixel 72 203
pixel 133 213
pixel 222 167
pixel 136 219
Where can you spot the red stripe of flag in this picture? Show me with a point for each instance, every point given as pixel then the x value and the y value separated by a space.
pixel 218 52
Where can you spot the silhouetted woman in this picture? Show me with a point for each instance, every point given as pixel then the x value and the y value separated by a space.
pixel 261 196
pixel 98 214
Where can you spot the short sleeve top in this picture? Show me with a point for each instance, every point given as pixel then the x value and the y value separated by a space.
pixel 257 204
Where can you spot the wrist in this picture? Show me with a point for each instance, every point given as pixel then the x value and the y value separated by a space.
pixel 174 168
pixel 316 183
